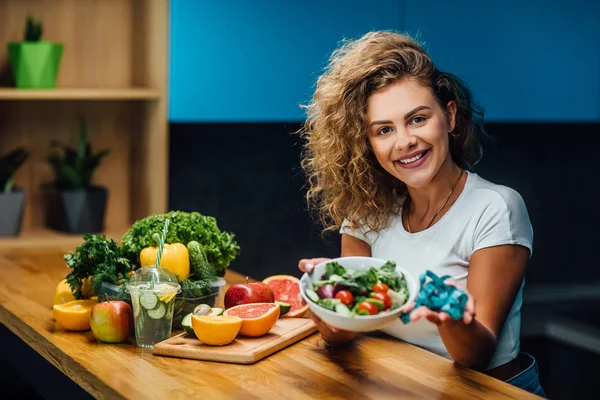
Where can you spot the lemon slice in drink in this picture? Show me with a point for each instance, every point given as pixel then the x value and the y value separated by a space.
pixel 167 297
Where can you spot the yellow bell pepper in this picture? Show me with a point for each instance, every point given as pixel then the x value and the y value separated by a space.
pixel 174 257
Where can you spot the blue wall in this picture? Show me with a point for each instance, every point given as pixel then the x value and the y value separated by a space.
pixel 242 61
pixel 531 60
pixel 258 60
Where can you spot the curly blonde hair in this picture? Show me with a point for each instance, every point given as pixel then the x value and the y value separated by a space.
pixel 344 179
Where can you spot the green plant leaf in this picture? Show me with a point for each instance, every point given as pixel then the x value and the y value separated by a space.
pixel 9 185
pixel 33 30
pixel 10 164
pixel 83 147
pixel 69 154
pixel 71 177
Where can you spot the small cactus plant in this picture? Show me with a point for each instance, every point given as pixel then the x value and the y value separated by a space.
pixel 33 30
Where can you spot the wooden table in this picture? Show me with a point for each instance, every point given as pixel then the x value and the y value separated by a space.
pixel 375 366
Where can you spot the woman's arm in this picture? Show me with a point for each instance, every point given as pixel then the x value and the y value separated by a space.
pixel 352 246
pixel 495 276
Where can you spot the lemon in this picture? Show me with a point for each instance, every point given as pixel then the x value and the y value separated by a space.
pixel 63 293
pixel 216 330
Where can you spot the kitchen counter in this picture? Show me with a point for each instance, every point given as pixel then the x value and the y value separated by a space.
pixel 374 366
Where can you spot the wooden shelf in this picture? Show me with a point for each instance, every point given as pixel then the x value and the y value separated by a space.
pixel 47 239
pixel 80 94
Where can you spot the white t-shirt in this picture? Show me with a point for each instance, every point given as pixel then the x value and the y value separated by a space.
pixel 484 215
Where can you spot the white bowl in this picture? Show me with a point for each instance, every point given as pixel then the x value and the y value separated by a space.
pixel 363 323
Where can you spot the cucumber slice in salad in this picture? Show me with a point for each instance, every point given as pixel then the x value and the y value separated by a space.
pixel 342 309
pixel 312 295
pixel 149 301
pixel 158 313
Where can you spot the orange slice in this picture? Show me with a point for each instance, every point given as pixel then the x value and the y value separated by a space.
pixel 216 330
pixel 74 315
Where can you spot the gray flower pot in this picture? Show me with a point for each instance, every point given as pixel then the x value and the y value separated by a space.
pixel 11 212
pixel 77 211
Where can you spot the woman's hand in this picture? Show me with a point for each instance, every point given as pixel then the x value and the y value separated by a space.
pixel 308 264
pixel 332 336
pixel 442 318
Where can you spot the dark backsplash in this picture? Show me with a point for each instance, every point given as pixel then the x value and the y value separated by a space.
pixel 247 175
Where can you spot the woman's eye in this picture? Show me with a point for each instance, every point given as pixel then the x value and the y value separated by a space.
pixel 417 120
pixel 384 131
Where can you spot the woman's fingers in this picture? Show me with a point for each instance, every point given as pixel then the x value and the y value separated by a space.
pixel 408 308
pixel 469 313
pixel 308 264
pixel 417 313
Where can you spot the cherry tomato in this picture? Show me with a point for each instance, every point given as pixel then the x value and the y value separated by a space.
pixel 345 297
pixel 387 300
pixel 131 273
pixel 380 288
pixel 368 307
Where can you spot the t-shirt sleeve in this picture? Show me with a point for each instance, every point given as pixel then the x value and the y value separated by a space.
pixel 358 231
pixel 504 220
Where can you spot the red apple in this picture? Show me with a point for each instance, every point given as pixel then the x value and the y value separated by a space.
pixel 246 293
pixel 112 321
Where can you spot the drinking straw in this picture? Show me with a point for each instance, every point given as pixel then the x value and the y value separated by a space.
pixel 161 245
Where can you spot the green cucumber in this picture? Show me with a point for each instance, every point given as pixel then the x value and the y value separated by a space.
pixel 312 295
pixel 186 324
pixel 216 311
pixel 149 301
pixel 158 313
pixel 342 309
pixel 284 307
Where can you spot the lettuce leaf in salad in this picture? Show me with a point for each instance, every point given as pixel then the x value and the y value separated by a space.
pixel 333 268
pixel 365 279
pixel 388 275
pixel 329 303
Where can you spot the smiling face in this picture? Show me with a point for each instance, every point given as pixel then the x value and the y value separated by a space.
pixel 408 131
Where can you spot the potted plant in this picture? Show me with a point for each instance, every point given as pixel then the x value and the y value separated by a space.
pixel 35 62
pixel 75 205
pixel 12 199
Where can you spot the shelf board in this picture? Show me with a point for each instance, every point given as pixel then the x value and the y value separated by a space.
pixel 47 239
pixel 80 94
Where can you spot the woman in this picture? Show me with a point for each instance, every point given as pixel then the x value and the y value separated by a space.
pixel 388 140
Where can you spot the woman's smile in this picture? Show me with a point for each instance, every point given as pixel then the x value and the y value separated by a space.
pixel 413 160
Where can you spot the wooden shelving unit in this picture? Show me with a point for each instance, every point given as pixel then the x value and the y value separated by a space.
pixel 114 72
pixel 80 94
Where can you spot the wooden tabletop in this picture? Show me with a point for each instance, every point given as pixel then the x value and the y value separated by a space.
pixel 375 366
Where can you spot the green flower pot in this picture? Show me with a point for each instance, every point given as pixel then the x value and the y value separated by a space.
pixel 35 65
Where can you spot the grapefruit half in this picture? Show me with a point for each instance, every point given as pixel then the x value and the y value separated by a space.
pixel 286 288
pixel 257 318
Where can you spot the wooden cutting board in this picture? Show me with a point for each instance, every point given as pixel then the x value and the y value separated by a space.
pixel 243 350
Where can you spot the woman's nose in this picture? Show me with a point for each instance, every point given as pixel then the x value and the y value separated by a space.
pixel 404 140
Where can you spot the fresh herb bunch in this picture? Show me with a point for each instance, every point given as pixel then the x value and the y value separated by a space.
pixel 75 167
pixel 9 165
pixel 99 258
pixel 219 247
pixel 33 30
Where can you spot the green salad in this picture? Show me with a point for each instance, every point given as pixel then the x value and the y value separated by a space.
pixel 356 293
